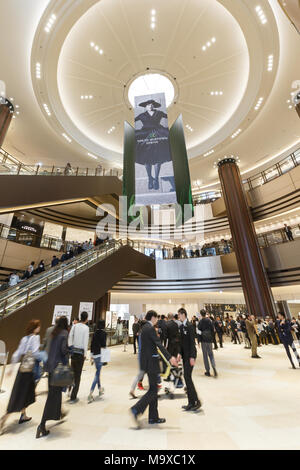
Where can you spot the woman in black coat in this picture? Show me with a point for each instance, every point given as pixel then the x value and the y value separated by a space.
pixel 58 354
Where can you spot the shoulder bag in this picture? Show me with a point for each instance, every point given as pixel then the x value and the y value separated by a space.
pixel 62 376
pixel 27 360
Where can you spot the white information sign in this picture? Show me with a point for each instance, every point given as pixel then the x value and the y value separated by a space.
pixel 62 311
pixel 87 307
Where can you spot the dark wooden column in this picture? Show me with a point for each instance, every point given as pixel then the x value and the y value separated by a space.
pixel 102 306
pixel 255 283
pixel 6 114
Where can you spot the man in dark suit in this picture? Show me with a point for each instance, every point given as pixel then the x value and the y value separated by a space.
pixel 173 336
pixel 189 354
pixel 149 359
pixel 162 329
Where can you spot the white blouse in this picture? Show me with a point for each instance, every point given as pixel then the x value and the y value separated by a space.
pixel 27 343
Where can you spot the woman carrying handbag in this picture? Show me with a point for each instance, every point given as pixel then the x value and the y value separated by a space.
pixel 58 354
pixel 23 392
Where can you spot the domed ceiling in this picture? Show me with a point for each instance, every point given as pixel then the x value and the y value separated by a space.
pixel 231 65
pixel 198 44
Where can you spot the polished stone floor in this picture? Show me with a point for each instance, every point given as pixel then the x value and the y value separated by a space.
pixel 253 404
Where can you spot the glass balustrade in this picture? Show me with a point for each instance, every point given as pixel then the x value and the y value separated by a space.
pixel 9 165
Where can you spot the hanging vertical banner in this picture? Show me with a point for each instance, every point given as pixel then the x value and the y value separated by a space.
pixel 154 173
pixel 184 208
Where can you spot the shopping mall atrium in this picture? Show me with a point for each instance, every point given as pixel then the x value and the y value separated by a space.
pixel 150 161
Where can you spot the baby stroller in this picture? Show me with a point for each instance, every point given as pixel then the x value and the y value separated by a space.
pixel 172 377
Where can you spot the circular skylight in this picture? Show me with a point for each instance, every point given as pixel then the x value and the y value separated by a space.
pixel 149 84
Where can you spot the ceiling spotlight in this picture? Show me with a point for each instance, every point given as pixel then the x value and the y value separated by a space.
pixel 213 40
pixel 67 137
pixel 208 44
pixel 92 44
pixel 153 12
pixel 204 48
pixel 93 156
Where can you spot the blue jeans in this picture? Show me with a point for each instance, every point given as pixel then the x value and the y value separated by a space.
pixel 98 365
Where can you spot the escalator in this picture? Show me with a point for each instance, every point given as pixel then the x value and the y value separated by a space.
pixel 85 278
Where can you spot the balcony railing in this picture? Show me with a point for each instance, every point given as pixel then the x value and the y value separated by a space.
pixel 278 169
pixel 10 165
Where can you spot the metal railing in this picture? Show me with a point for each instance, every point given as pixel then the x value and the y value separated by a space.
pixel 10 165
pixel 27 291
pixel 216 248
pixel 276 170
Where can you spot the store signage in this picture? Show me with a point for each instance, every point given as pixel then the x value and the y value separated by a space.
pixel 62 311
pixel 30 229
pixel 87 307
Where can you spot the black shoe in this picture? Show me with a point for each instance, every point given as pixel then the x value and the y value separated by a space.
pixel 215 372
pixel 196 406
pixel 256 357
pixel 24 420
pixel 293 366
pixel 157 421
pixel 41 432
pixel 187 407
pixel 207 374
pixel 135 418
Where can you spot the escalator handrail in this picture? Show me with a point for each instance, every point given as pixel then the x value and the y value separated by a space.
pixel 24 289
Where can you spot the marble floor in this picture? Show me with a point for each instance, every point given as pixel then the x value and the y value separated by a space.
pixel 253 404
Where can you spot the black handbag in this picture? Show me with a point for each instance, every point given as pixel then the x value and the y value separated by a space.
pixel 62 376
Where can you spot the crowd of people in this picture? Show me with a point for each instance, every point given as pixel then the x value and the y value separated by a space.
pixel 63 352
pixel 196 251
pixel 159 341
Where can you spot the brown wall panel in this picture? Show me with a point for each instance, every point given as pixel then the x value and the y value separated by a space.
pixel 32 190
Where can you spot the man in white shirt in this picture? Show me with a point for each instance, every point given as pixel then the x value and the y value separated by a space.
pixel 78 340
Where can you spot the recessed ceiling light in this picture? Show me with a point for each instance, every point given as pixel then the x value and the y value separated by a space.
pixel 208 153
pixel 93 156
pixel 270 63
pixel 92 44
pixel 153 12
pixel 66 137
pixel 261 14
pixel 236 133
pixel 208 44
pixel 50 23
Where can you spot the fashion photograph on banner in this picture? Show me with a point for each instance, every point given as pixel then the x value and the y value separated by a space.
pixel 154 172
